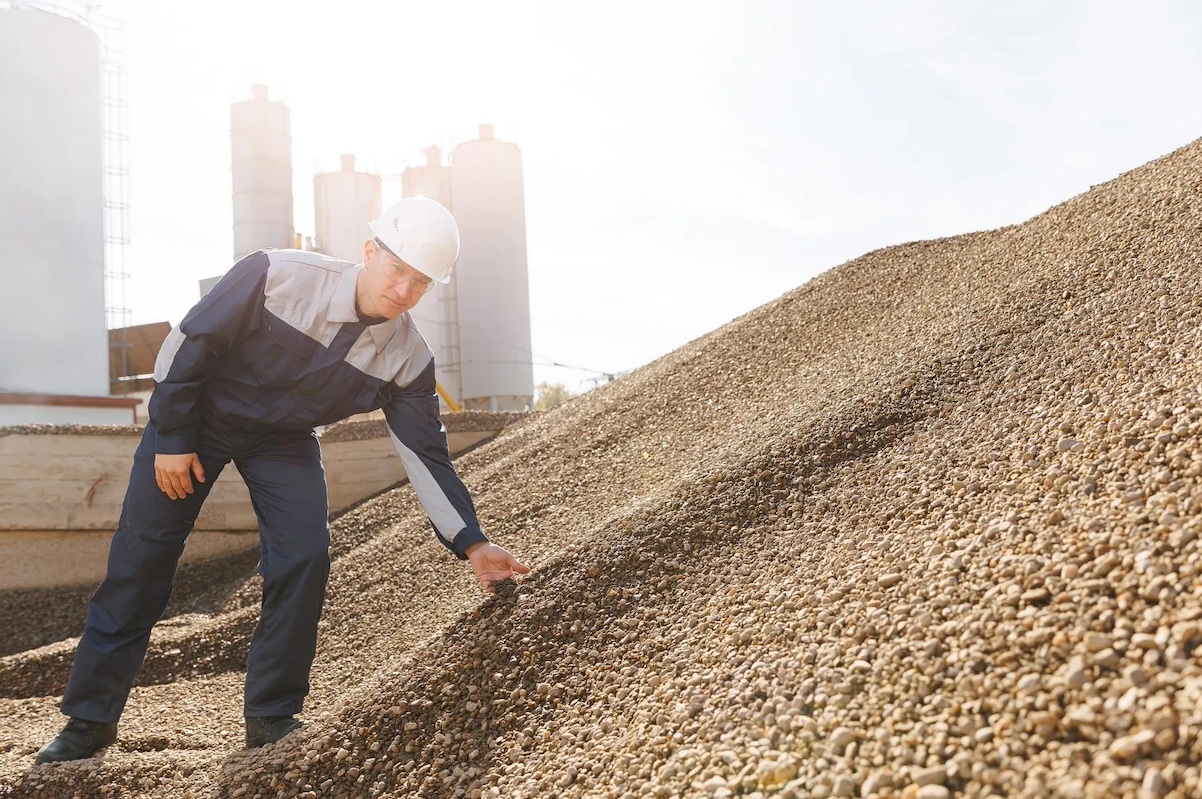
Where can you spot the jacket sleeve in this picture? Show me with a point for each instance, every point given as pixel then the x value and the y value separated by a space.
pixel 193 350
pixel 421 440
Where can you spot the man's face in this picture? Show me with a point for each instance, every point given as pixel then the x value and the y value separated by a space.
pixel 387 287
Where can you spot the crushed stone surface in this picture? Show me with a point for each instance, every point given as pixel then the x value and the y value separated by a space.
pixel 460 422
pixel 71 429
pixel 927 526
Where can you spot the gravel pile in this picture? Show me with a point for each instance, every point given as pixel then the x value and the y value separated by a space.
pixel 71 429
pixel 461 422
pixel 927 526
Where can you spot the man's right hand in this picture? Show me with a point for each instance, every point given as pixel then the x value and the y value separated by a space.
pixel 174 473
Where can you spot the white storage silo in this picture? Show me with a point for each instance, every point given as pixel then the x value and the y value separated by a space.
pixel 51 207
pixel 261 149
pixel 432 180
pixel 345 202
pixel 436 314
pixel 493 289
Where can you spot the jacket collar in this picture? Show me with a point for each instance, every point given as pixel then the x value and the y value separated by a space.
pixel 342 302
pixel 342 309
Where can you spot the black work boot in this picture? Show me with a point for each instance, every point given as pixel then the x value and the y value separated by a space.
pixel 79 739
pixel 269 729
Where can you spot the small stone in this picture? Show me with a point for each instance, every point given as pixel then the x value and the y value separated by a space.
pixel 1166 739
pixel 775 774
pixel 1143 737
pixel 889 580
pixel 841 737
pixel 1137 675
pixel 1153 784
pixel 843 787
pixel 1143 641
pixel 1124 749
pixel 1096 642
pixel 1035 596
pixel 1080 715
pixel 930 776
pixel 933 792
pixel 876 782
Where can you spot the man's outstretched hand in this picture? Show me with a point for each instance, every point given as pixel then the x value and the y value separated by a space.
pixel 492 564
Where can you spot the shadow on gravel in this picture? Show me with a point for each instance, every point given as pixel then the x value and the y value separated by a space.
pixel 35 617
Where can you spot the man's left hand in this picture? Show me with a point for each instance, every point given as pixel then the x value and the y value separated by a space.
pixel 492 564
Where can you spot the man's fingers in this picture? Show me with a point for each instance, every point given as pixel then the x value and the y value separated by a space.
pixel 181 484
pixel 164 484
pixel 517 566
pixel 174 473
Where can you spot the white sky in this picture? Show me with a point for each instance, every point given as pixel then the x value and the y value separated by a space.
pixel 685 162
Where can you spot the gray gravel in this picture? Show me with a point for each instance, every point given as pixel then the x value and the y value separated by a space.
pixel 71 429
pixel 927 526
pixel 461 422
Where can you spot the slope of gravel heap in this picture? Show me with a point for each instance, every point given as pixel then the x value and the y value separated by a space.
pixel 926 526
pixel 460 422
pixel 463 421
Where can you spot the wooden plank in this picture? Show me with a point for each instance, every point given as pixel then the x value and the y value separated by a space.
pixel 92 493
pixel 58 467
pixel 67 400
pixel 70 445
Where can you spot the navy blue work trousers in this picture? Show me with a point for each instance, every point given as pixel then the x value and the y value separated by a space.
pixel 287 485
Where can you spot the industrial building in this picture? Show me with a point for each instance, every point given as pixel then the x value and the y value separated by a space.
pixel 344 202
pixel 53 82
pixel 261 162
pixel 479 324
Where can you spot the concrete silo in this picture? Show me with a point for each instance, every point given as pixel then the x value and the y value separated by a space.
pixel 344 202
pixel 437 314
pixel 493 292
pixel 261 148
pixel 51 209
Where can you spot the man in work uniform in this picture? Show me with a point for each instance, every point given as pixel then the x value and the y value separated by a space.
pixel 286 341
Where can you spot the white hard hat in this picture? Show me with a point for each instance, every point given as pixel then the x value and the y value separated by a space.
pixel 421 233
